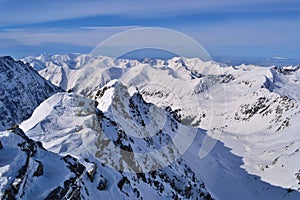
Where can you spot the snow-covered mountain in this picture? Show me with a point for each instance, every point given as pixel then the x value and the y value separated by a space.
pixel 22 89
pixel 249 113
pixel 62 164
pixel 71 126
pixel 70 71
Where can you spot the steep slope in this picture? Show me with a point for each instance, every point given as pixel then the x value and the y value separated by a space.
pixel 71 124
pixel 28 171
pixel 256 114
pixel 253 110
pixel 22 89
pixel 261 124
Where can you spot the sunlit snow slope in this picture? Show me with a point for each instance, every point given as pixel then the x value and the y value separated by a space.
pixel 253 110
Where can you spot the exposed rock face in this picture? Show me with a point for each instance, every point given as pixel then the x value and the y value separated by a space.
pixel 35 173
pixel 22 89
pixel 288 70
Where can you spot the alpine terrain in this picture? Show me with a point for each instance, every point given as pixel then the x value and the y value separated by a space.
pixel 80 126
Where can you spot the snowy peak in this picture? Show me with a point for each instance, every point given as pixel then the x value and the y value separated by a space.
pixel 22 89
pixel 141 131
pixel 84 73
pixel 80 73
pixel 72 125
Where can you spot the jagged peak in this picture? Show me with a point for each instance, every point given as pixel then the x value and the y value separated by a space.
pixel 6 58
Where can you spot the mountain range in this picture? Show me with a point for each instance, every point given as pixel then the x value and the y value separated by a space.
pixel 80 126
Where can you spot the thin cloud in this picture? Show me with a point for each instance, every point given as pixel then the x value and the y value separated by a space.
pixel 82 36
pixel 21 12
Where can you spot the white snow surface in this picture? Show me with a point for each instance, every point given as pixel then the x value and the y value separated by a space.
pixel 253 112
pixel 68 123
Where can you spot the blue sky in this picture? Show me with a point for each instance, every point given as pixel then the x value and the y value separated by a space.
pixel 231 28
